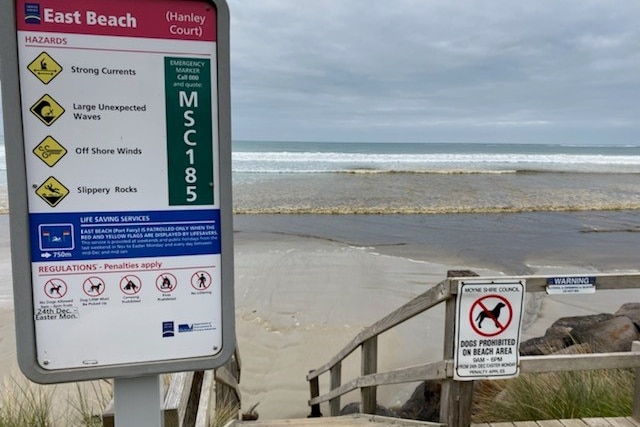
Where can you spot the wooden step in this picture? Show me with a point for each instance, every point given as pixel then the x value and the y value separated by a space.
pixel 355 420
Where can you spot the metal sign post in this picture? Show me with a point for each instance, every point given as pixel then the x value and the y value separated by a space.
pixel 117 132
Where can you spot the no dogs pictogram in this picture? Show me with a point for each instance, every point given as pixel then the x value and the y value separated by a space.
pixel 490 315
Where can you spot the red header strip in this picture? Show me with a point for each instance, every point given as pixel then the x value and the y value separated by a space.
pixel 158 19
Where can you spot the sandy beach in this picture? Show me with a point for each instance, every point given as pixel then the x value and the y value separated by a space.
pixel 300 298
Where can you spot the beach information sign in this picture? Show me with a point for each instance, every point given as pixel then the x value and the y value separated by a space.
pixel 487 336
pixel 123 174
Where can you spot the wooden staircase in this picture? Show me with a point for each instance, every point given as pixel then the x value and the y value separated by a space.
pixel 355 420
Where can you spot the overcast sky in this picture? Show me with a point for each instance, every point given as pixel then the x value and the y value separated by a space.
pixel 436 70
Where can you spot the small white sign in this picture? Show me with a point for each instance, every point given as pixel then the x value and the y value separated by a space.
pixel 487 338
pixel 571 285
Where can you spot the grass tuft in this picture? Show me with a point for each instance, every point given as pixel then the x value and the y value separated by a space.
pixel 560 395
pixel 26 404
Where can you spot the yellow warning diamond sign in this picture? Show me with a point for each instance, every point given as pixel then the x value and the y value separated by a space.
pixel 47 110
pixel 49 151
pixel 52 191
pixel 45 68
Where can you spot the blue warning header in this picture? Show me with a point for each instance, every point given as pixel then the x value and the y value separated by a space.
pixel 107 235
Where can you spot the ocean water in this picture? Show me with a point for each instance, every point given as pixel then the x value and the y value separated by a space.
pixel 410 178
pixel 520 209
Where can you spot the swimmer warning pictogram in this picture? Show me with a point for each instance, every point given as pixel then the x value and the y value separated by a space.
pixel 488 320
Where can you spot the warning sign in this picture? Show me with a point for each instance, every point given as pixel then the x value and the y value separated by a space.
pixel 45 68
pixel 489 315
pixel 52 191
pixel 47 110
pixel 49 151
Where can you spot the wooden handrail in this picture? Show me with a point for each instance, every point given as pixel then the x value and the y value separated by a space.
pixel 446 290
pixel 419 304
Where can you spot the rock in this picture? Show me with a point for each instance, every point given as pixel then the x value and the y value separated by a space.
pixel 424 403
pixel 612 335
pixel 601 333
pixel 354 408
pixel 632 311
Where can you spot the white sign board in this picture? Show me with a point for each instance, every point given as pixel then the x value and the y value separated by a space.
pixel 487 338
pixel 120 123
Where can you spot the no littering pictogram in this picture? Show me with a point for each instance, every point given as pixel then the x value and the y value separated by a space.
pixel 490 315
pixel 201 280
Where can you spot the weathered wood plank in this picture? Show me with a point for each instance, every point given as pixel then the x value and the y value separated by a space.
pixel 576 422
pixel 596 422
pixel 206 403
pixel 579 362
pixel 526 424
pixel 620 421
pixel 549 423
pixel 176 398
pixel 504 424
pixel 634 421
pixel 429 371
pixel 537 283
pixel 428 299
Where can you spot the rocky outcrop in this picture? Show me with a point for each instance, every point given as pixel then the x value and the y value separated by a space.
pixel 600 333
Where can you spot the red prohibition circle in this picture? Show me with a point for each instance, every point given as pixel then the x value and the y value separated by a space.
pixel 166 282
pixel 93 286
pixel 55 288
pixel 130 284
pixel 486 314
pixel 201 280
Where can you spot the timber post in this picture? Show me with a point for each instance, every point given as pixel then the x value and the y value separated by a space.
pixel 335 382
pixel 635 410
pixel 456 396
pixel 369 366
pixel 314 388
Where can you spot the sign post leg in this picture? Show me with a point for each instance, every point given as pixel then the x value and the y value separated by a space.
pixel 138 402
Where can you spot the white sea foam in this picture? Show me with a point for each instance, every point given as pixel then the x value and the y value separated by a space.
pixel 318 162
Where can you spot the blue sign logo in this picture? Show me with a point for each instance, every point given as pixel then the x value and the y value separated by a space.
pixel 32 13
pixel 168 329
pixel 56 237
pixel 185 327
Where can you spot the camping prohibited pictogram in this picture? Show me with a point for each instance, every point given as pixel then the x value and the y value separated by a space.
pixel 487 338
pixel 130 284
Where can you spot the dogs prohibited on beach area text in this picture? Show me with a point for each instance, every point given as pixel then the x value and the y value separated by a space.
pixel 488 319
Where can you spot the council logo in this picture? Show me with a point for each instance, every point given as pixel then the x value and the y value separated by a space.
pixel 32 13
